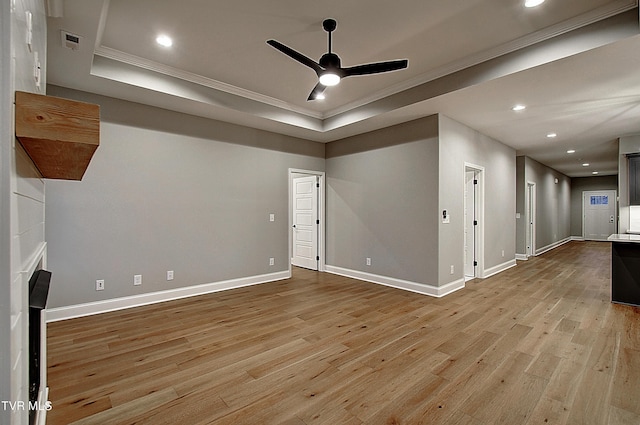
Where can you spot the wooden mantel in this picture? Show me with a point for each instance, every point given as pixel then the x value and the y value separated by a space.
pixel 59 135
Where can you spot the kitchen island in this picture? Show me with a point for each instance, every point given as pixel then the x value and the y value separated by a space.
pixel 625 269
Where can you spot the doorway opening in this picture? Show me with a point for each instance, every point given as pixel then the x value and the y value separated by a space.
pixel 530 208
pixel 473 222
pixel 306 219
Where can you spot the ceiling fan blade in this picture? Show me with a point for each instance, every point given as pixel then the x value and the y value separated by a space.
pixel 296 55
pixel 318 89
pixel 375 68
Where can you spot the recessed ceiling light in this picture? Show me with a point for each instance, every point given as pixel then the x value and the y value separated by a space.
pixel 519 108
pixel 595 172
pixel 551 135
pixel 533 3
pixel 586 164
pixel 164 40
pixel 571 151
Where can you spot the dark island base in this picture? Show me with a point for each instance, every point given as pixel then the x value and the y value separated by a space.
pixel 625 273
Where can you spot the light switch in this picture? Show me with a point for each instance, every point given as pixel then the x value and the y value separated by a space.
pixel 272 217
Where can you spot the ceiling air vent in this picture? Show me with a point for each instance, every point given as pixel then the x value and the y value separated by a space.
pixel 70 41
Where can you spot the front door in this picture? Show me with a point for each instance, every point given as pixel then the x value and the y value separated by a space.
pixel 599 214
pixel 305 222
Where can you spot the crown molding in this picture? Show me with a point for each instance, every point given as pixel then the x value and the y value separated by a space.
pixel 139 62
pixel 596 15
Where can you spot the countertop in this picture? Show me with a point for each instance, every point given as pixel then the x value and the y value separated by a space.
pixel 624 237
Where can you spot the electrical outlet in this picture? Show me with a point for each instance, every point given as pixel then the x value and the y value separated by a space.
pixel 272 261
pixel 452 269
pixel 100 285
pixel 368 261
pixel 503 252
pixel 137 279
pixel 169 274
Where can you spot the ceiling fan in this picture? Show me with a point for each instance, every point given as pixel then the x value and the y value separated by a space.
pixel 328 67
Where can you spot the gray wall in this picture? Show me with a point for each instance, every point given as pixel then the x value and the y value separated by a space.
pixel 460 144
pixel 581 184
pixel 167 191
pixel 521 217
pixel 553 203
pixel 382 190
pixel 386 190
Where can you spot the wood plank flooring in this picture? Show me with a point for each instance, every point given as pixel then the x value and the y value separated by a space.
pixel 537 344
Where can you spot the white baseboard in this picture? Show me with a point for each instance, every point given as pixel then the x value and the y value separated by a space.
pixel 547 248
pixel 420 288
pixel 87 309
pixel 499 268
pixel 552 246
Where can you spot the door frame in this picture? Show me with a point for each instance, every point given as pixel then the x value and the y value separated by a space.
pixel 615 200
pixel 530 215
pixel 321 215
pixel 479 213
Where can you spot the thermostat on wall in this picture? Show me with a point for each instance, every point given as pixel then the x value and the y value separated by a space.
pixel 70 41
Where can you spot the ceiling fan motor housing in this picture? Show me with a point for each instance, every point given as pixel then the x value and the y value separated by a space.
pixel 329 61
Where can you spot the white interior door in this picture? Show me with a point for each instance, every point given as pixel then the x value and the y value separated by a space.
pixel 598 214
pixel 305 222
pixel 470 224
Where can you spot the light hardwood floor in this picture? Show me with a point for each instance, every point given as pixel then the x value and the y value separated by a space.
pixel 537 344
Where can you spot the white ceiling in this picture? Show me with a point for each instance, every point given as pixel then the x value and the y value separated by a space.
pixel 569 61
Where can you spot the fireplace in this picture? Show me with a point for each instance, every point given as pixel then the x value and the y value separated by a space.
pixel 38 293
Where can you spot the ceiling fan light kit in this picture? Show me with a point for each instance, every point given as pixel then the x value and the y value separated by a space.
pixel 329 79
pixel 329 69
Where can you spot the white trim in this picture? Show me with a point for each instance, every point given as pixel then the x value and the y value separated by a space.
pixel 552 246
pixel 87 309
pixel 420 288
pixel 499 268
pixel 43 399
pixel 32 264
pixel 547 248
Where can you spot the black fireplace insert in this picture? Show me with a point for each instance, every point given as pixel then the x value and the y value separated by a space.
pixel 38 293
